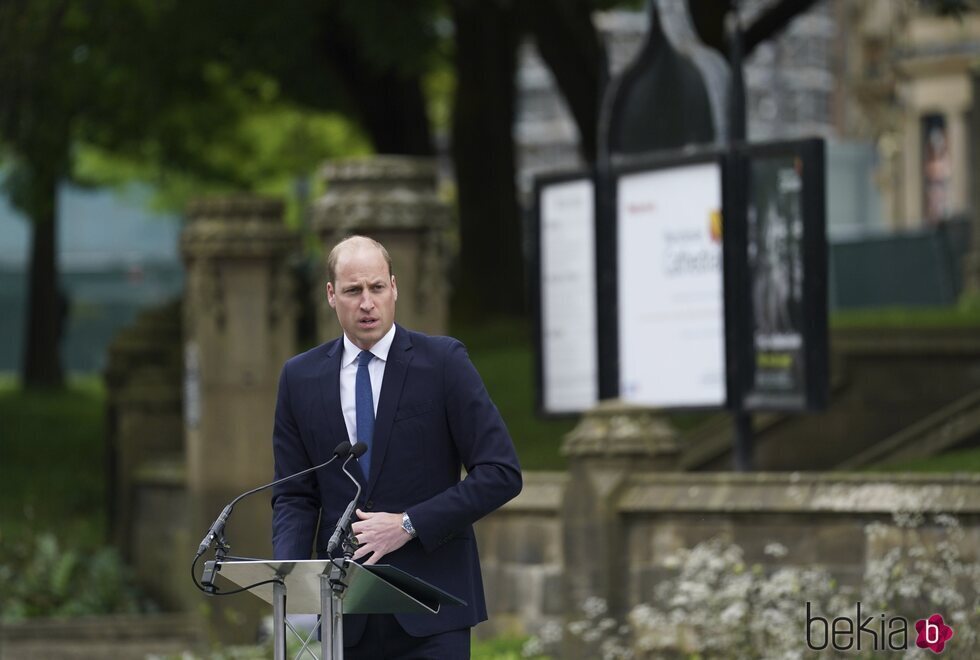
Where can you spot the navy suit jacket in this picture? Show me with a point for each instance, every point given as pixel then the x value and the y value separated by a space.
pixel 434 417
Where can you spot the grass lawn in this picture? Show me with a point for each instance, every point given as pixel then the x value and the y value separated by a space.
pixel 910 317
pixel 503 354
pixel 52 463
pixel 963 460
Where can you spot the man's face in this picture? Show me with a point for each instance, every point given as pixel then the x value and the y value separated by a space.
pixel 364 295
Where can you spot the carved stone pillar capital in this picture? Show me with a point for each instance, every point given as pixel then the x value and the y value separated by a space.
pixel 379 193
pixel 235 226
pixel 614 430
pixel 392 199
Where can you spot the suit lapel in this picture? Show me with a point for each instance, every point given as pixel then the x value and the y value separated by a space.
pixel 396 369
pixel 330 400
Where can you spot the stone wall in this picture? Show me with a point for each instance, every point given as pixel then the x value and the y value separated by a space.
pixel 121 637
pixel 822 520
pixel 522 558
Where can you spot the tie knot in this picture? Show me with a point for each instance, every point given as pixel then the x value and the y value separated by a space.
pixel 364 358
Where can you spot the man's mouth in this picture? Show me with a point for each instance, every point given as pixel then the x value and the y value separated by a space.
pixel 368 322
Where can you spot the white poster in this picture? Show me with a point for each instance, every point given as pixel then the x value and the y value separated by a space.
pixel 671 302
pixel 568 297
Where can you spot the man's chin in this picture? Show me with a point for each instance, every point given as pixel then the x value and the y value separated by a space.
pixel 365 339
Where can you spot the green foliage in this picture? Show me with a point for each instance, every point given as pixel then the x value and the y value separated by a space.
pixel 52 478
pixel 41 578
pixel 52 463
pixel 274 145
pixel 501 648
pixel 906 317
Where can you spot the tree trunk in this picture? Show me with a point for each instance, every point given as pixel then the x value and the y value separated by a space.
pixel 491 263
pixel 389 103
pixel 569 44
pixel 41 366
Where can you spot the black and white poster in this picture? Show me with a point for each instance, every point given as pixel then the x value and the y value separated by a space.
pixel 786 273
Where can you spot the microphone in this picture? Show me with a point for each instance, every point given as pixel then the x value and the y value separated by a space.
pixel 218 527
pixel 355 452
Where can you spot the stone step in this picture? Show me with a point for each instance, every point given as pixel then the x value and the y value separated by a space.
pixel 121 637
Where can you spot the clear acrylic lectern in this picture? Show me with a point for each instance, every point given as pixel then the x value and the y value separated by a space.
pixel 332 588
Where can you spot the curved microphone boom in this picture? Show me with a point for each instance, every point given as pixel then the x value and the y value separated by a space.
pixel 217 528
pixel 355 452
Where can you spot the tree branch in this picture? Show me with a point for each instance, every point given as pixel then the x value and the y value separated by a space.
pixel 773 21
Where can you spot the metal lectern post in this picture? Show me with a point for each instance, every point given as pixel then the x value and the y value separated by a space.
pixel 331 615
pixel 279 621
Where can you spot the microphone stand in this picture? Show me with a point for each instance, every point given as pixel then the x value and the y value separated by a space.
pixel 331 600
pixel 217 529
pixel 342 530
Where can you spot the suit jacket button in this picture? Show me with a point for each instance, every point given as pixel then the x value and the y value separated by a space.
pixel 369 505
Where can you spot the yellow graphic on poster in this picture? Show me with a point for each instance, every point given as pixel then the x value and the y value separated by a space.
pixel 714 225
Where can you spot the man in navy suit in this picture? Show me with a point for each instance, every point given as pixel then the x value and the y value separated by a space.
pixel 421 407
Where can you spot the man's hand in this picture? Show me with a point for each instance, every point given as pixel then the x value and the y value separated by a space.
pixel 378 534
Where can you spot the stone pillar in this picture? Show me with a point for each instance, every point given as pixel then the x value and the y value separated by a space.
pixel 971 261
pixel 145 429
pixel 239 328
pixel 611 443
pixel 393 200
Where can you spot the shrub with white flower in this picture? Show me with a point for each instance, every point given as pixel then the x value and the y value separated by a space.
pixel 718 606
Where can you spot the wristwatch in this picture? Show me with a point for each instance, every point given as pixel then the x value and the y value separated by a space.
pixel 407 525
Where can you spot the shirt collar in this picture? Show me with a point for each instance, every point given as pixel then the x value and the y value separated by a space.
pixel 379 350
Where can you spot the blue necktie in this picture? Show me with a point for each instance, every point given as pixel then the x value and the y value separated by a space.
pixel 364 407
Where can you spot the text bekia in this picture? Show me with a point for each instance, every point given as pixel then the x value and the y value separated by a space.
pixel 877 632
pixel 843 633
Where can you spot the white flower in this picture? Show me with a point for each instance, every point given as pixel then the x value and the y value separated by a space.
pixel 775 550
pixel 594 607
pixel 532 647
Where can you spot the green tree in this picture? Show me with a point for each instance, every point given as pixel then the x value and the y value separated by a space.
pixel 77 71
pixel 154 84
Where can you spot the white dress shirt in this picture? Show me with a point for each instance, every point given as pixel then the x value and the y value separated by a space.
pixel 348 377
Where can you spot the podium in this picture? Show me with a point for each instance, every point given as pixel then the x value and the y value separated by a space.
pixel 332 588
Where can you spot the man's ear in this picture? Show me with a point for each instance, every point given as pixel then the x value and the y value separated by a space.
pixel 331 296
pixel 394 287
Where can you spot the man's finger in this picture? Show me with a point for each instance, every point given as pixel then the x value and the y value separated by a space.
pixel 362 551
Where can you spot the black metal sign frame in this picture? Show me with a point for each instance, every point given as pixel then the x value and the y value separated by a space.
pixel 608 241
pixel 780 277
pixel 537 292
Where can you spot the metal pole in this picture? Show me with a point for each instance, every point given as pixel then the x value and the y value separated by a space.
pixel 331 616
pixel 278 621
pixel 743 447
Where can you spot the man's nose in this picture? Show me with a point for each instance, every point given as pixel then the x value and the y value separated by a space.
pixel 367 302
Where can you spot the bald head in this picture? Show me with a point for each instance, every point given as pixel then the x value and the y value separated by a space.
pixel 350 245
